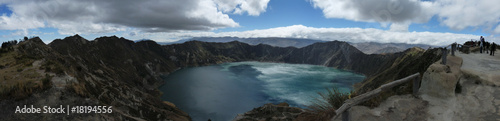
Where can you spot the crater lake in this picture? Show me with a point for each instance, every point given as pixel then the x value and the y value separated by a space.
pixel 220 92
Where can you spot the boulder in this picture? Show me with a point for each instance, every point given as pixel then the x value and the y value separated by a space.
pixel 440 80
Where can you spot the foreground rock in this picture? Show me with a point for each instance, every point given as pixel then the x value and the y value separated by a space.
pixel 395 108
pixel 271 112
pixel 451 92
pixel 440 80
pixel 476 97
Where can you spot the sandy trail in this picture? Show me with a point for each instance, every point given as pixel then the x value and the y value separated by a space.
pixel 479 99
pixel 485 66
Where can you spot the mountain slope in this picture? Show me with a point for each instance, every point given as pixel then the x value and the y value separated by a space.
pixel 106 72
pixel 333 54
pixel 378 48
pixel 125 74
pixel 388 50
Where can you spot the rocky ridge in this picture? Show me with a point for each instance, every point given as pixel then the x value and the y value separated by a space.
pixel 380 48
pixel 125 74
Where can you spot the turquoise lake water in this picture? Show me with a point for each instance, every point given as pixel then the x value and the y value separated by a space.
pixel 220 92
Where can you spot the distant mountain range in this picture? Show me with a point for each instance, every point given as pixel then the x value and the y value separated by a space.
pixel 273 41
pixel 379 48
pixel 365 47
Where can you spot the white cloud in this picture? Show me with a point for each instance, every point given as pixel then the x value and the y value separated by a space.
pixel 455 14
pixel 376 10
pixel 459 14
pixel 252 7
pixel 497 29
pixel 341 34
pixel 73 27
pixel 400 27
pixel 108 16
pixel 15 22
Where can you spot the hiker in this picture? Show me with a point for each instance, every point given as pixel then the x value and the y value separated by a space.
pixel 487 47
pixel 493 48
pixel 481 44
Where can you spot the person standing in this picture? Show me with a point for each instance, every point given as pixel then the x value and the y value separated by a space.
pixel 487 46
pixel 481 44
pixel 493 48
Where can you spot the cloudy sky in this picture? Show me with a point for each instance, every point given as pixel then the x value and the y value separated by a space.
pixel 436 22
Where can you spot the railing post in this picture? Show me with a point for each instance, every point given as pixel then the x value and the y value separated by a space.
pixel 466 49
pixel 444 56
pixel 345 115
pixel 416 85
pixel 453 48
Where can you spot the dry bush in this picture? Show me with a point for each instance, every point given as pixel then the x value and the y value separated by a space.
pixel 323 108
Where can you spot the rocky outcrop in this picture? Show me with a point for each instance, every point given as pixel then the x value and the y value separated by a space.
pixel 440 80
pixel 467 97
pixel 271 112
pixel 446 93
pixel 414 60
pixel 395 108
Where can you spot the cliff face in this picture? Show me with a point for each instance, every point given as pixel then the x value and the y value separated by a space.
pixel 124 74
pixel 332 54
pixel 110 71
pixel 411 61
pixel 119 72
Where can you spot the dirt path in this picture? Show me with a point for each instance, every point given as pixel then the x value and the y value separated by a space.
pixel 479 98
pixel 485 66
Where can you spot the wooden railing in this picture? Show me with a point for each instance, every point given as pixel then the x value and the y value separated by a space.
pixel 343 110
pixel 445 52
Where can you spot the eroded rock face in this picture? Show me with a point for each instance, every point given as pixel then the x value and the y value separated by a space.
pixel 440 80
pixel 78 72
pixel 477 101
pixel 395 108
pixel 279 112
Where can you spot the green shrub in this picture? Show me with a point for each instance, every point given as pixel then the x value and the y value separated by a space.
pixel 46 81
pixel 323 108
